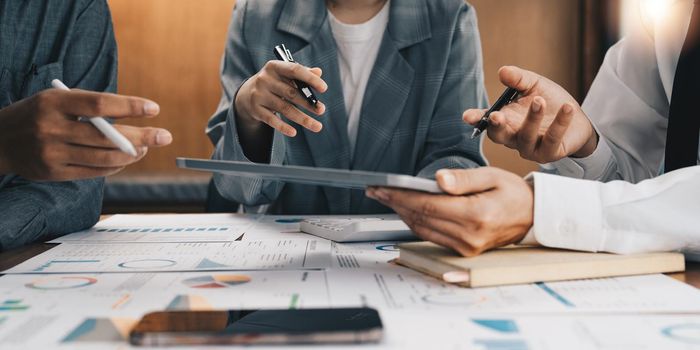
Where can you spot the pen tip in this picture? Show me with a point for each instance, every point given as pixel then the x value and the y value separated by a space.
pixel 476 133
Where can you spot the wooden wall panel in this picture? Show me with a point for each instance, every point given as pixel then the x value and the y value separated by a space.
pixel 170 51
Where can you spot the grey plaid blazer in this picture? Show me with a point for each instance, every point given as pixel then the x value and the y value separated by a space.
pixel 429 70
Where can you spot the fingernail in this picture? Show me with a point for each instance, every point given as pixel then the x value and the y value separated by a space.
pixel 164 137
pixel 456 277
pixel 370 193
pixel 151 108
pixel 536 106
pixel 320 108
pixel 567 108
pixel 448 180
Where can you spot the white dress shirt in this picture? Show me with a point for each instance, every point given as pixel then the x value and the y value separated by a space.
pixel 629 105
pixel 358 48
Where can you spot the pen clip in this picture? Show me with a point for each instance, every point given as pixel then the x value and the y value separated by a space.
pixel 289 55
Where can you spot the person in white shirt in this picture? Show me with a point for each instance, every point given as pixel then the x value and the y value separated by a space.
pixel 638 131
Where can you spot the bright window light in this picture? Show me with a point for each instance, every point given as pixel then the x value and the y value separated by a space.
pixel 648 11
pixel 656 9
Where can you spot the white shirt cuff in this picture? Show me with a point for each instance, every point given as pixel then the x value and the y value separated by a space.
pixel 593 167
pixel 568 213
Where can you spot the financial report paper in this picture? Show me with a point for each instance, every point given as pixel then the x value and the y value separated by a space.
pixel 284 254
pixel 164 228
pixel 67 304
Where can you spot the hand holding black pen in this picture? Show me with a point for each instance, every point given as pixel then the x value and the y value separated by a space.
pixel 536 117
pixel 279 96
pixel 506 98
pixel 283 54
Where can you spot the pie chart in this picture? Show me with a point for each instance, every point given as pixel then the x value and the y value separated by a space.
pixel 58 282
pixel 216 281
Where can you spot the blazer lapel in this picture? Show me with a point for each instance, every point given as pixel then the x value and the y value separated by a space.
pixel 383 104
pixel 390 83
pixel 329 148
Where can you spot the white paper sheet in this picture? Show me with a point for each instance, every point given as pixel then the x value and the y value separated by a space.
pixel 164 228
pixel 370 255
pixel 276 227
pixel 397 288
pixel 155 257
pixel 134 294
pixel 84 310
pixel 402 330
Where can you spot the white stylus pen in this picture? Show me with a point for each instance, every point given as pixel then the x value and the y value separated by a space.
pixel 104 126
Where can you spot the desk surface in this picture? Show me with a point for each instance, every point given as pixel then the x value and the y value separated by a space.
pixel 9 259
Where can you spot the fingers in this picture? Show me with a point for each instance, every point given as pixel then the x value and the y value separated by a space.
pixel 468 181
pixel 292 113
pixel 518 78
pixel 100 157
pixel 146 136
pixel 552 140
pixel 500 131
pixel 296 71
pixel 94 104
pixel 428 205
pixel 473 116
pixel 85 134
pixel 317 71
pixel 290 93
pixel 268 117
pixel 438 231
pixel 529 130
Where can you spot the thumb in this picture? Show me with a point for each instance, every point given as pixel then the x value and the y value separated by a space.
pixel 467 181
pixel 518 78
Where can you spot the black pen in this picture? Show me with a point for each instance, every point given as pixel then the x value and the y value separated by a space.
pixel 283 54
pixel 508 97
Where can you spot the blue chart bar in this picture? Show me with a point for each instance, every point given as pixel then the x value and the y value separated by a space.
pixel 502 344
pixel 501 326
pixel 555 295
pixel 53 262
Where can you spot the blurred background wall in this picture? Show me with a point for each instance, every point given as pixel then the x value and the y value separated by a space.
pixel 170 51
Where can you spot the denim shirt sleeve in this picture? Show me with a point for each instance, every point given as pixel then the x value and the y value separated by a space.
pixel 87 53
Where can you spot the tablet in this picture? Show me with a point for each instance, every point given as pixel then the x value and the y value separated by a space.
pixel 311 176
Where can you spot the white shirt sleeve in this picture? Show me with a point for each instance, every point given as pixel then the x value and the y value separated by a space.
pixel 618 217
pixel 628 105
pixel 600 165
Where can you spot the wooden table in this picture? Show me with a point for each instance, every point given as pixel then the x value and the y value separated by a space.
pixel 9 259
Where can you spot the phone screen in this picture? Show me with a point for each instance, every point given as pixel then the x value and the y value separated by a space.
pixel 305 326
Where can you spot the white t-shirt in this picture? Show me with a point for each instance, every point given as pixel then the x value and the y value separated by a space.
pixel 358 47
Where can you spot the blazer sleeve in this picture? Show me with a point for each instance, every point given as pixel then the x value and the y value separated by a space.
pixel 448 143
pixel 36 211
pixel 236 67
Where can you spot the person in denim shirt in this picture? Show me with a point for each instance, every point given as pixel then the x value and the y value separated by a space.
pixel 51 163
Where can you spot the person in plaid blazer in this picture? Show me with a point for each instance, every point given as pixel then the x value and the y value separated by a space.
pixel 428 70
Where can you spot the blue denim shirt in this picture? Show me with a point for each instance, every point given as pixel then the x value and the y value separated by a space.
pixel 41 40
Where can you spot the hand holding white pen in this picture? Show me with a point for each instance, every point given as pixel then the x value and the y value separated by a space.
pixel 107 129
pixel 42 137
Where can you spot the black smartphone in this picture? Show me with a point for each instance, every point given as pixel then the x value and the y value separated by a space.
pixel 247 327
